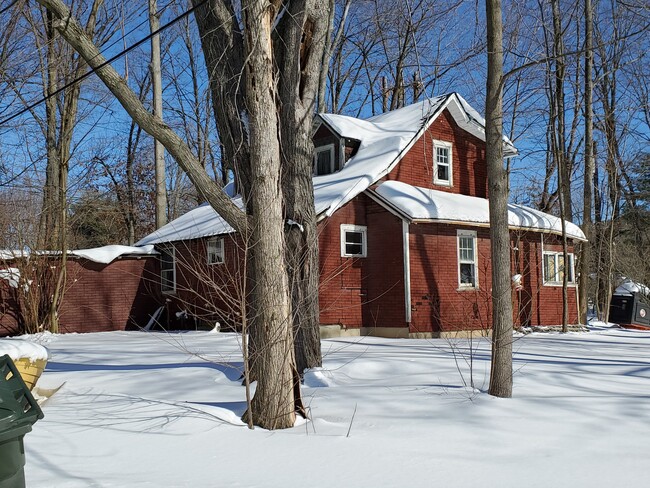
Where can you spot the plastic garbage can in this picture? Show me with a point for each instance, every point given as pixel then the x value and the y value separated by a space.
pixel 18 412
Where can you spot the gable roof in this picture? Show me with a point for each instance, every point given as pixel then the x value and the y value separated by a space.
pixel 423 204
pixel 384 140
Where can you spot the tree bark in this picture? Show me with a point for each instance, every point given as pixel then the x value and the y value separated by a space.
pixel 273 405
pixel 501 367
pixel 302 32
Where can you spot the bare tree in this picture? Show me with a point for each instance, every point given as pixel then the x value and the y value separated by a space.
pixel 159 150
pixel 501 370
pixel 587 201
pixel 263 130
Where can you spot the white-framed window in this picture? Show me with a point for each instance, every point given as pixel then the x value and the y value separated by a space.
pixel 442 163
pixel 324 160
pixel 168 269
pixel 215 250
pixel 554 268
pixel 354 241
pixel 467 259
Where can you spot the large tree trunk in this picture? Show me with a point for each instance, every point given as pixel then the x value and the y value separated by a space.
pixel 501 370
pixel 298 50
pixel 273 405
pixel 306 31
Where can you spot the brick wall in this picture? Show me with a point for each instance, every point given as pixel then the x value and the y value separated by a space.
pixel 368 291
pixel 341 291
pixel 437 303
pixel 538 303
pixel 116 296
pixel 98 297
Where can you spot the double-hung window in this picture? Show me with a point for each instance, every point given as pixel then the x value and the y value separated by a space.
pixel 324 160
pixel 554 268
pixel 167 269
pixel 467 259
pixel 354 241
pixel 215 251
pixel 442 163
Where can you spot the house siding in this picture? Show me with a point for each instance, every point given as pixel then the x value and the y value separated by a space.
pixel 538 303
pixel 341 290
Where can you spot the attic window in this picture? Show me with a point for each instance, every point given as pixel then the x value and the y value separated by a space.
pixel 442 163
pixel 324 160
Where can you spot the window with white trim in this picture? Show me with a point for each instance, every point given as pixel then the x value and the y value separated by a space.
pixel 554 268
pixel 324 160
pixel 167 269
pixel 467 259
pixel 442 163
pixel 354 241
pixel 215 250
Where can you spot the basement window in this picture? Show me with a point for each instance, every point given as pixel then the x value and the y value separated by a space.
pixel 354 241
pixel 324 160
pixel 216 254
pixel 554 268
pixel 442 163
pixel 168 269
pixel 467 259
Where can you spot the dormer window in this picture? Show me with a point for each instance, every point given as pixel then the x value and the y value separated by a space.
pixel 442 163
pixel 324 160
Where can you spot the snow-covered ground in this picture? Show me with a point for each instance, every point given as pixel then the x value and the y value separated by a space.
pixel 162 410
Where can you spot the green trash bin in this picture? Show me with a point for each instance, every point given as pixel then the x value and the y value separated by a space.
pixel 18 412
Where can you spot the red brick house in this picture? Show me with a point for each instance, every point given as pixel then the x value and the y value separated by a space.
pixel 402 203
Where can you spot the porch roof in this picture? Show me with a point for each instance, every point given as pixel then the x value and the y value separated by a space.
pixel 422 204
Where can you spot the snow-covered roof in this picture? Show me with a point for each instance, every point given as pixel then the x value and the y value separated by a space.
pixel 108 254
pixel 628 287
pixel 104 254
pixel 384 139
pixel 202 221
pixel 433 205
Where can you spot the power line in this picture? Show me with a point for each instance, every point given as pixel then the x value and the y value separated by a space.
pixel 105 63
pixel 8 6
pixel 104 48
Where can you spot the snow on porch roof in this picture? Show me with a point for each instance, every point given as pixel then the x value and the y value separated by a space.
pixel 434 205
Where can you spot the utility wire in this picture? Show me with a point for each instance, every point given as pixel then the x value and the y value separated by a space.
pixel 8 6
pixel 105 63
